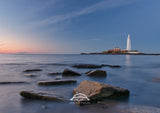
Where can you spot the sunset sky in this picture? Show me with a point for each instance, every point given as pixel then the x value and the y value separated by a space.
pixel 75 26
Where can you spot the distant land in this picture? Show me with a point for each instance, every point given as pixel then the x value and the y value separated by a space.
pixel 119 51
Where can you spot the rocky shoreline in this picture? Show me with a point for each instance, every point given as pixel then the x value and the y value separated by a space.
pixel 93 90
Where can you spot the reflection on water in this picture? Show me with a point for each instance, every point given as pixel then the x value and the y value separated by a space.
pixel 128 60
pixel 134 75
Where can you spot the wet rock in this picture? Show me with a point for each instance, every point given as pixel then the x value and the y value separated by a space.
pixel 32 70
pixel 96 91
pixel 56 82
pixel 97 73
pixel 40 96
pixel 54 73
pixel 58 78
pixel 30 75
pixel 88 71
pixel 87 66
pixel 70 73
pixel 14 82
pixel 112 66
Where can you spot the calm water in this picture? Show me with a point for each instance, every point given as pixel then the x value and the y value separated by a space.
pixel 136 74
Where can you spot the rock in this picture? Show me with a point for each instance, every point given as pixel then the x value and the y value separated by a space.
pixel 54 73
pixel 31 70
pixel 87 66
pixel 97 73
pixel 30 75
pixel 14 82
pixel 112 66
pixel 88 71
pixel 96 91
pixel 56 82
pixel 58 78
pixel 70 73
pixel 40 96
pixel 156 80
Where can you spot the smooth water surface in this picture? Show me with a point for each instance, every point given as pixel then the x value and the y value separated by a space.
pixel 136 74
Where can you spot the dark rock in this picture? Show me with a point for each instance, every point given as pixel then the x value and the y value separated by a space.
pixel 40 96
pixel 112 66
pixel 97 73
pixel 70 73
pixel 56 82
pixel 87 66
pixel 32 70
pixel 30 75
pixel 54 73
pixel 96 91
pixel 14 82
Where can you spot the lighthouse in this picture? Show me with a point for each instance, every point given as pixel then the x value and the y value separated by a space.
pixel 128 43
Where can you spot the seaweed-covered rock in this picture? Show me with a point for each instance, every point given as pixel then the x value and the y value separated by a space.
pixel 70 73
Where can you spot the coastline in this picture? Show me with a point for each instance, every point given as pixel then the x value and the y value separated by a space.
pixel 120 53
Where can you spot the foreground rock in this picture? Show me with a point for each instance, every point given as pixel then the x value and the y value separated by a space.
pixel 40 96
pixel 70 73
pixel 14 82
pixel 87 66
pixel 32 70
pixel 97 73
pixel 96 91
pixel 56 82
pixel 112 66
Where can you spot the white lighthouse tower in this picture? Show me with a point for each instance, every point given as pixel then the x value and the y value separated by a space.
pixel 128 43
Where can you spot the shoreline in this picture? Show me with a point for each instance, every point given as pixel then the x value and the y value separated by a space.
pixel 120 53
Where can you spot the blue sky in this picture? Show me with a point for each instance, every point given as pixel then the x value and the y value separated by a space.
pixel 75 26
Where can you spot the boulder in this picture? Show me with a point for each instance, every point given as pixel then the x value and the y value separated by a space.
pixel 57 73
pixel 32 70
pixel 96 91
pixel 87 66
pixel 40 96
pixel 97 73
pixel 112 66
pixel 70 73
pixel 56 82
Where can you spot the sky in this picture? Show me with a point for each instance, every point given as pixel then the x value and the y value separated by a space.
pixel 76 26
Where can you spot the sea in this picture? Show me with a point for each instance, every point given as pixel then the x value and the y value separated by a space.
pixel 136 74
